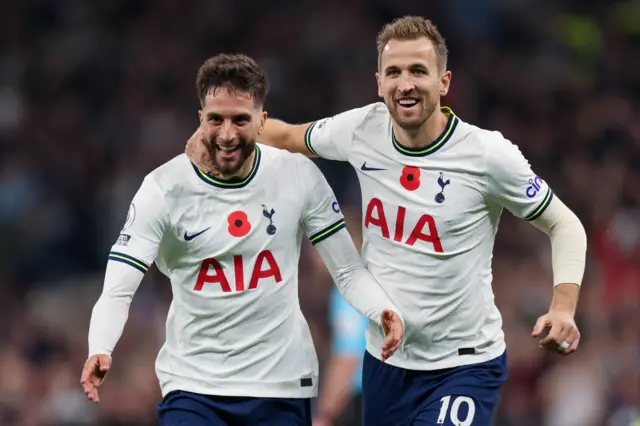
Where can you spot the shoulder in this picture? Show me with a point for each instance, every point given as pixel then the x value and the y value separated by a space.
pixel 492 145
pixel 281 159
pixel 288 167
pixel 357 118
pixel 173 174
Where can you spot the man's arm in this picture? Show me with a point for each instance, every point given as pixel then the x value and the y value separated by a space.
pixel 568 251
pixel 513 184
pixel 324 224
pixel 129 260
pixel 290 137
pixel 329 138
pixel 360 289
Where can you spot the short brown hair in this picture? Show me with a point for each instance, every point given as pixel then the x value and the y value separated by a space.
pixel 235 72
pixel 411 28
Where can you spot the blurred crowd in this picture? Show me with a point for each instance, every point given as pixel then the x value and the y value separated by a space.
pixel 94 95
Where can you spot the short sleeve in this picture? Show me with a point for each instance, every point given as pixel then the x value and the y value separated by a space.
pixel 321 217
pixel 512 183
pixel 140 238
pixel 331 137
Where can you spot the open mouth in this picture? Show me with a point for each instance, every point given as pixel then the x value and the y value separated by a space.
pixel 227 151
pixel 407 103
pixel 227 148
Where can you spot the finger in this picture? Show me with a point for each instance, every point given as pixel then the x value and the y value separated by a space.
pixel 93 396
pixel 387 350
pixel 540 325
pixel 394 341
pixel 89 391
pixel 396 345
pixel 104 361
pixel 391 335
pixel 555 331
pixel 89 366
pixel 386 347
pixel 569 331
pixel 571 340
pixel 573 347
pixel 87 388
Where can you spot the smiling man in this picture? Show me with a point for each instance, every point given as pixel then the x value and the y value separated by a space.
pixel 433 190
pixel 238 350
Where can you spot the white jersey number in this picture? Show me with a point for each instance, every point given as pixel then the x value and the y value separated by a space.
pixel 455 407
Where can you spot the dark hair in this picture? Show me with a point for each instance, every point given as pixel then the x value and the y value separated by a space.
pixel 236 73
pixel 412 28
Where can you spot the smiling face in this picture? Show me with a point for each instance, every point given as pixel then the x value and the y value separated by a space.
pixel 232 90
pixel 411 80
pixel 231 122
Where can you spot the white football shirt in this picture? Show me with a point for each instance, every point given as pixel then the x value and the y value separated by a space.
pixel 231 251
pixel 430 217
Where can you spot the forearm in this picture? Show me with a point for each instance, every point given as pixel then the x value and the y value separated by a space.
pixel 565 298
pixel 290 137
pixel 568 248
pixel 111 311
pixel 353 280
pixel 568 242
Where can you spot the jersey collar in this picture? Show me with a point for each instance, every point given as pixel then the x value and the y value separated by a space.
pixel 233 182
pixel 433 146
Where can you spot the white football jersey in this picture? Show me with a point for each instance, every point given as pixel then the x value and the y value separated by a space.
pixel 430 217
pixel 231 251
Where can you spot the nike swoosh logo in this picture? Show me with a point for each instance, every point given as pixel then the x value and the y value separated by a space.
pixel 364 168
pixel 191 237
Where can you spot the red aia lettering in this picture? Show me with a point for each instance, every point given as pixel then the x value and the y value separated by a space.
pixel 375 216
pixel 218 276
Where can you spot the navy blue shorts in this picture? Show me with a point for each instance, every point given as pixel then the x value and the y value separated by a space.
pixel 179 408
pixel 459 396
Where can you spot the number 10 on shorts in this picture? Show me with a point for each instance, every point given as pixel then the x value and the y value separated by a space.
pixel 455 408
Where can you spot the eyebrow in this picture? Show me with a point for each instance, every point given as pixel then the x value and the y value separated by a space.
pixel 242 115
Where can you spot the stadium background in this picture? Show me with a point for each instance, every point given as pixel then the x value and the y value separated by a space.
pixel 94 95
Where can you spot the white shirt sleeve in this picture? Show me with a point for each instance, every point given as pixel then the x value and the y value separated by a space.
pixel 144 228
pixel 129 259
pixel 512 183
pixel 322 219
pixel 321 216
pixel 354 281
pixel 111 311
pixel 331 137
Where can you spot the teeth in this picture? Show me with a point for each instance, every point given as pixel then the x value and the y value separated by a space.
pixel 226 148
pixel 407 102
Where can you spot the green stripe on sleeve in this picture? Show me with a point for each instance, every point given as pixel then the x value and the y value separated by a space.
pixel 327 232
pixel 307 138
pixel 129 260
pixel 542 207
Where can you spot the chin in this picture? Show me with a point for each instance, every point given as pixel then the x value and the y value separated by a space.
pixel 227 168
pixel 409 123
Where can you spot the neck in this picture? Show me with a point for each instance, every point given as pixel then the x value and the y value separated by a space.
pixel 428 132
pixel 243 171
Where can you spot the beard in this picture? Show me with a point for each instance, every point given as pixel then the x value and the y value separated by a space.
pixel 411 119
pixel 229 163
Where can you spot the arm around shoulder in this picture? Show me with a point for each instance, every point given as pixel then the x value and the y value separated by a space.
pixel 282 135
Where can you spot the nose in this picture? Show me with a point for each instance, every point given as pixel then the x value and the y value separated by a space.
pixel 227 132
pixel 405 83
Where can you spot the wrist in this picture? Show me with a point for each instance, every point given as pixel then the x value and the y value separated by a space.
pixel 565 298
